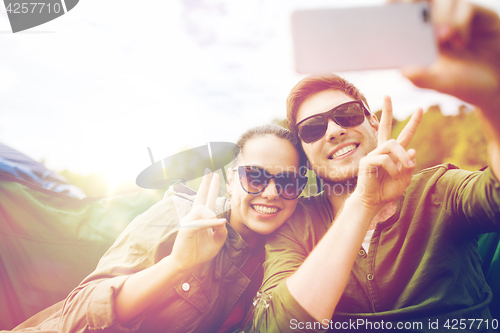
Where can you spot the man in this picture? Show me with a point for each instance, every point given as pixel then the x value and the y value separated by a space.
pixel 418 269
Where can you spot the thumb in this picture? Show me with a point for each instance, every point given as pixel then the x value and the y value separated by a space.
pixel 220 234
pixel 471 82
pixel 430 77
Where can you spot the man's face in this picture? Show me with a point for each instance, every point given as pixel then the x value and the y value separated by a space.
pixel 335 157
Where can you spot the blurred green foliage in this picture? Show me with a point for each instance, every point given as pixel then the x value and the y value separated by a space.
pixel 93 184
pixel 440 139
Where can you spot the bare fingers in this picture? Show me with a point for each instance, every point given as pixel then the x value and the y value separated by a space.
pixel 213 192
pixel 202 217
pixel 385 127
pixel 205 223
pixel 453 22
pixel 220 232
pixel 410 129
pixel 203 190
pixel 396 152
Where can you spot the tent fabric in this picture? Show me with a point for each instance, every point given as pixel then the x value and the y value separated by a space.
pixel 50 241
pixel 23 167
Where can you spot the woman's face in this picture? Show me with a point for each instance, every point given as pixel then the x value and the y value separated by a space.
pixel 264 212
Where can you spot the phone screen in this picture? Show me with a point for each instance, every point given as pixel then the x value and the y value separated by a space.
pixel 359 38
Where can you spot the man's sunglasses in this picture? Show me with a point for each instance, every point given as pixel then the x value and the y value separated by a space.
pixel 346 115
pixel 254 180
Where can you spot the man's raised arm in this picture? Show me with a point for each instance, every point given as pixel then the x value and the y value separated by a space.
pixel 319 282
pixel 383 177
pixel 469 64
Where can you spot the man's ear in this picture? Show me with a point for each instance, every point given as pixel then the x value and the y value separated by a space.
pixel 229 185
pixel 372 119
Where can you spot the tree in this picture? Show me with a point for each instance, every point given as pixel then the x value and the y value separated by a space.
pixel 455 139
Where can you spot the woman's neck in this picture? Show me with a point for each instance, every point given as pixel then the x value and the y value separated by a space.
pixel 249 236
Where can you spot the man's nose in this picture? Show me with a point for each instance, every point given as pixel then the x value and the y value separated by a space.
pixel 334 131
pixel 271 192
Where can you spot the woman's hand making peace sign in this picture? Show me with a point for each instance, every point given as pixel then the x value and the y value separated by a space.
pixel 201 234
pixel 200 237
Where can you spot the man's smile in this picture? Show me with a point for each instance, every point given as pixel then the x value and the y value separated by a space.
pixel 343 150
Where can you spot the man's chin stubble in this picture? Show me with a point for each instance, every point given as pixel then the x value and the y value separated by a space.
pixel 340 187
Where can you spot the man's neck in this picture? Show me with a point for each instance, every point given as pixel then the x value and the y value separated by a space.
pixel 338 200
pixel 339 191
pixel 384 214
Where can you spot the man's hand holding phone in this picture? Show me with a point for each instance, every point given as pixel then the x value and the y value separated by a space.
pixel 468 65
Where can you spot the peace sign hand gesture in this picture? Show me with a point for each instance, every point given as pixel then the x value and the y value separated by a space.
pixel 201 234
pixel 385 172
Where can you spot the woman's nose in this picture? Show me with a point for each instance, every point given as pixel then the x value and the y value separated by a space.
pixel 271 192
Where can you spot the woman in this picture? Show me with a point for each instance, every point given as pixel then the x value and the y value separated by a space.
pixel 179 267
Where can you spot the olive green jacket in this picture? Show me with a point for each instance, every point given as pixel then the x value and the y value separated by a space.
pixel 422 272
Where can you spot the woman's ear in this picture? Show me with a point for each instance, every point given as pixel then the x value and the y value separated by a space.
pixel 229 185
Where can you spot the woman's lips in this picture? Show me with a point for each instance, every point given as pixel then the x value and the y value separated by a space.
pixel 264 210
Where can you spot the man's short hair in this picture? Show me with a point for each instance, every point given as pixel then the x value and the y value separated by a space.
pixel 313 84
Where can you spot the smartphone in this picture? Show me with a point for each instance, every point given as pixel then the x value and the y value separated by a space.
pixel 393 35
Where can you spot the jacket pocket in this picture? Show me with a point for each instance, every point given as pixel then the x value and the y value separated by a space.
pixel 192 291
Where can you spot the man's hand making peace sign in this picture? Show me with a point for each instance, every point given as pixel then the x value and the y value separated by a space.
pixel 385 172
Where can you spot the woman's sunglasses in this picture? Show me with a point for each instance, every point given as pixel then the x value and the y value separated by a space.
pixel 254 180
pixel 347 115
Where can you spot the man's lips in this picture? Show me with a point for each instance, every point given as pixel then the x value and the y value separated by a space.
pixel 342 150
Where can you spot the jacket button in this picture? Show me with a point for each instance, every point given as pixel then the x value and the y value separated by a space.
pixel 369 277
pixel 361 252
pixel 185 286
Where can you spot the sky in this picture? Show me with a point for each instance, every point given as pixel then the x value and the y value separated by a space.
pixel 91 90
